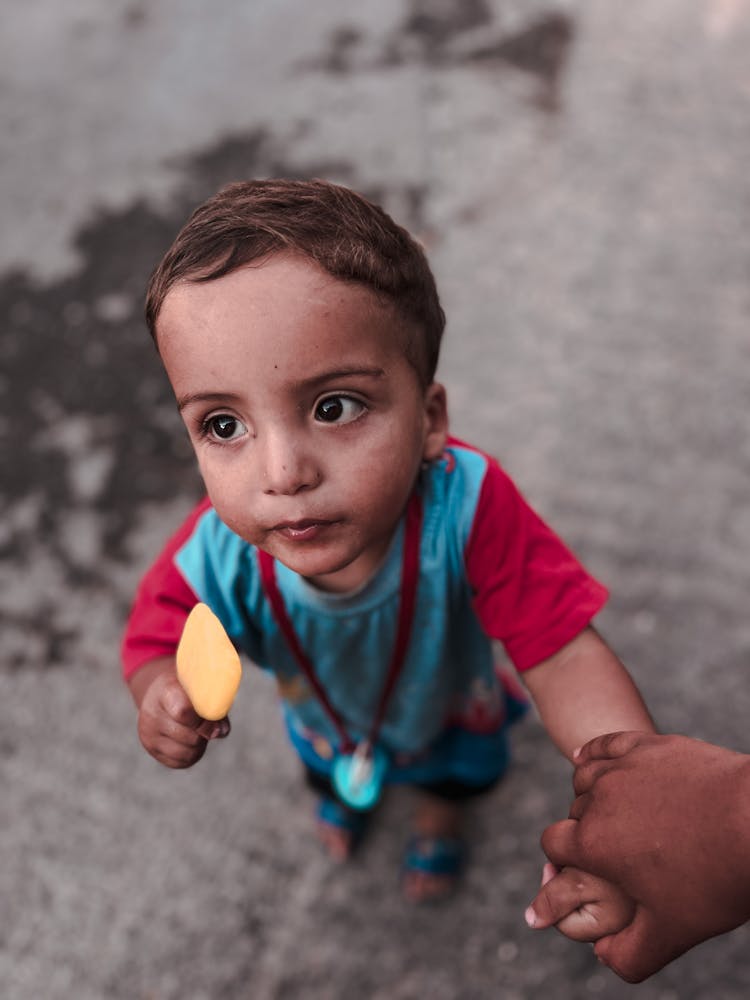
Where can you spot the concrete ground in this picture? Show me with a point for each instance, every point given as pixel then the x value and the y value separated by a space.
pixel 578 172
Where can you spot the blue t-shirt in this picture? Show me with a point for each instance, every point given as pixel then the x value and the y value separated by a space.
pixel 489 569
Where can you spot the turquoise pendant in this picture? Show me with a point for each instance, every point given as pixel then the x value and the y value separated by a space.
pixel 358 777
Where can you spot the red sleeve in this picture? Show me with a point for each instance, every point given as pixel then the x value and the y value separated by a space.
pixel 530 592
pixel 162 602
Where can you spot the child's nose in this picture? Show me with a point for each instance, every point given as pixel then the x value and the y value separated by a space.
pixel 287 467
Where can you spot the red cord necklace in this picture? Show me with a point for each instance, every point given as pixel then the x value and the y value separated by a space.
pixel 358 769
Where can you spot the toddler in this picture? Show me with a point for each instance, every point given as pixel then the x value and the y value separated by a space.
pixel 347 542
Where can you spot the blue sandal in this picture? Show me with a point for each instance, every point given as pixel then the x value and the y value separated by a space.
pixel 444 857
pixel 331 812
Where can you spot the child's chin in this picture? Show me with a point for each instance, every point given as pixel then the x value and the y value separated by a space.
pixel 326 574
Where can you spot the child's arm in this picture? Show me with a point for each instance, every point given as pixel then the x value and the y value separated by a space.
pixel 584 691
pixel 580 905
pixel 168 726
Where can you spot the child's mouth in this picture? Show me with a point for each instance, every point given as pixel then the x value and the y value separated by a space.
pixel 302 531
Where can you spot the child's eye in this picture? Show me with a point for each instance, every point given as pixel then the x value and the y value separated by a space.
pixel 224 427
pixel 338 410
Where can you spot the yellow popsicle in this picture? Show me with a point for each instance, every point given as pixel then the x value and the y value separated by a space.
pixel 208 666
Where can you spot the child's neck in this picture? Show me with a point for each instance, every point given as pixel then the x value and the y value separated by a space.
pixel 346 584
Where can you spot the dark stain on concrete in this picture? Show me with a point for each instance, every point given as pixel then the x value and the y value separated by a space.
pixel 76 352
pixel 465 34
pixel 135 16
pixel 241 156
pixel 435 25
pixel 341 54
pixel 541 48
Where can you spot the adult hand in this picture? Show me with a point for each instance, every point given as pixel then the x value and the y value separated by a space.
pixel 667 820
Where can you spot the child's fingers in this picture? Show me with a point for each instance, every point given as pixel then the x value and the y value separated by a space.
pixel 549 871
pixel 170 742
pixel 555 900
pixel 179 733
pixel 214 730
pixel 170 729
pixel 176 704
pixel 177 755
pixel 592 921
pixel 179 708
pixel 582 907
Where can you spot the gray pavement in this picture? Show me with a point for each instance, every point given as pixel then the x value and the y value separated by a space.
pixel 578 173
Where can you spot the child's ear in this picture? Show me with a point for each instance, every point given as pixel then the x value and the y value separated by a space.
pixel 435 422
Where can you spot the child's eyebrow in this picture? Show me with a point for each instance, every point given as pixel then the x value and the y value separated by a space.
pixel 337 373
pixel 206 397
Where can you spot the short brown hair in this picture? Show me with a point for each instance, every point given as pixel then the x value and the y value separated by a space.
pixel 345 234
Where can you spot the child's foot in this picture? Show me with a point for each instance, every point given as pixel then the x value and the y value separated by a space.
pixel 435 854
pixel 339 829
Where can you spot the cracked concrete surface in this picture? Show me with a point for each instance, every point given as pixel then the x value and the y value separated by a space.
pixel 577 174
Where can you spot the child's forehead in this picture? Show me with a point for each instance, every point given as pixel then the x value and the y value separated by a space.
pixel 279 287
pixel 280 303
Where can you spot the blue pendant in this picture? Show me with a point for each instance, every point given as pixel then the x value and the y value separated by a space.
pixel 358 777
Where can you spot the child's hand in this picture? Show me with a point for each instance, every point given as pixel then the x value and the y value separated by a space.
pixel 169 727
pixel 581 906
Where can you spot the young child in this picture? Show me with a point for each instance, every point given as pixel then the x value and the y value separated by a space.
pixel 347 543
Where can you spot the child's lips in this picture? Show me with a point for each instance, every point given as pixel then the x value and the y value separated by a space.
pixel 302 531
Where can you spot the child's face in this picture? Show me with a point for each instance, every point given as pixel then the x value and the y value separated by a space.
pixel 308 422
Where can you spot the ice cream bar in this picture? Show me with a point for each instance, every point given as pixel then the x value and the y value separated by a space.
pixel 208 666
